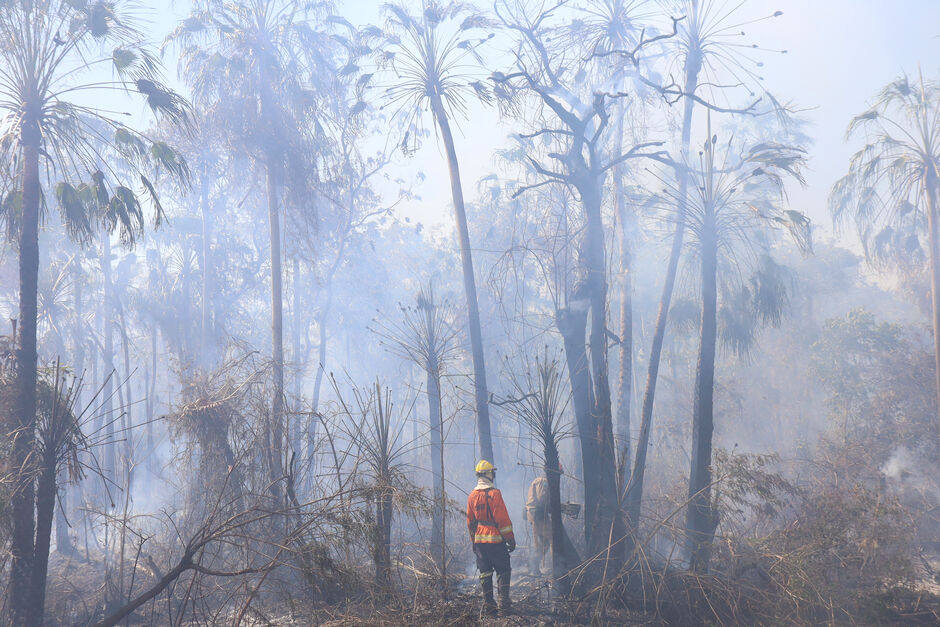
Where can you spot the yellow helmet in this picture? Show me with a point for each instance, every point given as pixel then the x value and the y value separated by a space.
pixel 484 466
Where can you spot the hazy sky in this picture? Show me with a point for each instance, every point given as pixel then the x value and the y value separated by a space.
pixel 839 54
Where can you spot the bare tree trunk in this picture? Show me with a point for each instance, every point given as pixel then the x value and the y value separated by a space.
pixel 22 612
pixel 634 497
pixel 45 509
pixel 185 564
pixel 469 283
pixel 276 453
pixel 931 185
pixel 383 545
pixel 435 419
pixel 702 520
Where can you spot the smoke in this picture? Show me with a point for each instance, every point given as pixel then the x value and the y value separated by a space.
pixel 905 472
pixel 900 465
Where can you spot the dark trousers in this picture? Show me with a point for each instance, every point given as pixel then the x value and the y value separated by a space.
pixel 492 557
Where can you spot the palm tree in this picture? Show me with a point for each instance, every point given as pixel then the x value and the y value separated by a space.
pixel 892 188
pixel 426 336
pixel 728 215
pixel 429 57
pixel 49 52
pixel 708 54
pixel 250 61
pixel 539 403
pixel 378 430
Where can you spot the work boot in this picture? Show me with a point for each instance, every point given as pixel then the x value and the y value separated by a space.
pixel 489 603
pixel 505 605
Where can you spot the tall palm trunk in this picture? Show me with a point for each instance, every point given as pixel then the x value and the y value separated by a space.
pixel 469 283
pixel 276 459
pixel 22 612
pixel 932 190
pixel 322 321
pixel 701 520
pixel 634 498
pixel 435 423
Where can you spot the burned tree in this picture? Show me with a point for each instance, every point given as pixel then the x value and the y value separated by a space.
pixel 574 119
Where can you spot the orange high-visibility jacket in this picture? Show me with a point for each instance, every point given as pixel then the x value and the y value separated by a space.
pixel 487 518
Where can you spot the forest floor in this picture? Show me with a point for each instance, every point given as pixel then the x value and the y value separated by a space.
pixel 532 605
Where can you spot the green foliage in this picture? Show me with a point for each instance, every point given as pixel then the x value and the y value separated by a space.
pixel 886 188
pixel 47 47
pixel 750 489
pixel 880 384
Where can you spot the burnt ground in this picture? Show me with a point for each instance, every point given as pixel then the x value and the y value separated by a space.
pixel 532 605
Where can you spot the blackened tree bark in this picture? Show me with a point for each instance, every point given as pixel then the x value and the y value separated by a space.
pixel 45 510
pixel 609 522
pixel 572 324
pixel 383 544
pixel 564 554
pixel 702 519
pixel 22 612
pixel 580 160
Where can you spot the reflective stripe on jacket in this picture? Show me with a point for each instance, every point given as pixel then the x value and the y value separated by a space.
pixel 487 519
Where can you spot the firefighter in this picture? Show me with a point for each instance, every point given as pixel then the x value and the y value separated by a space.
pixel 491 534
pixel 537 513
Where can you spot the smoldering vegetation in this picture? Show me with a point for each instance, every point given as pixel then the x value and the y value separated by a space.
pixel 250 366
